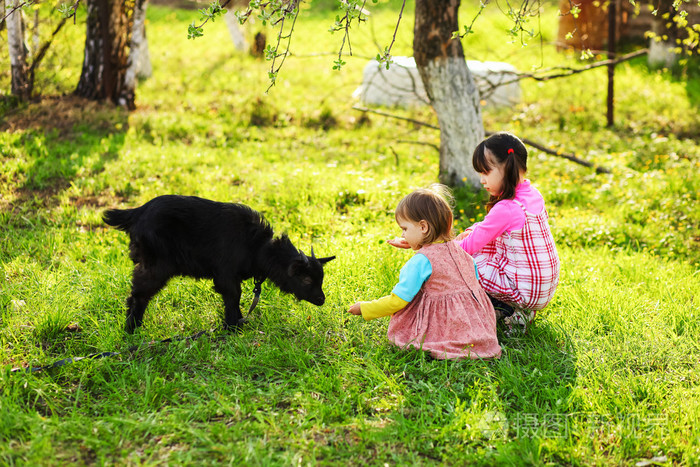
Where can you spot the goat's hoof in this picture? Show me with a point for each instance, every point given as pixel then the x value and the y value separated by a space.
pixel 237 326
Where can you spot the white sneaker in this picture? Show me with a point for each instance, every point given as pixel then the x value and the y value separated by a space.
pixel 518 322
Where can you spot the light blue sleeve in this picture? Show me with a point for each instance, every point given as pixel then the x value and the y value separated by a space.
pixel 476 271
pixel 413 274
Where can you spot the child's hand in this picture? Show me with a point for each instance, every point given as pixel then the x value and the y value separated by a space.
pixel 463 235
pixel 355 309
pixel 398 243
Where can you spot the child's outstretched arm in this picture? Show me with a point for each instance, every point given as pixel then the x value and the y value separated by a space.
pixel 355 309
pixel 399 242
pixel 385 306
pixel 411 278
pixel 464 234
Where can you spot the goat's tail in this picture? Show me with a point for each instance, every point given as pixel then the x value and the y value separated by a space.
pixel 122 219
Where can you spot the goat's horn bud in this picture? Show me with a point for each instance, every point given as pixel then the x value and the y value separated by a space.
pixel 312 252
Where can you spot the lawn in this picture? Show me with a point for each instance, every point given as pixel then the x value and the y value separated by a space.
pixel 608 374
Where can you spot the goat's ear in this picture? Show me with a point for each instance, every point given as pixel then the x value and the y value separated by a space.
pixel 326 259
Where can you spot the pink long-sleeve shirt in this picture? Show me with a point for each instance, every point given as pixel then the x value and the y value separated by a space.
pixel 505 216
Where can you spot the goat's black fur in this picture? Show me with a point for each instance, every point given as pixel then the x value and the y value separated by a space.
pixel 175 235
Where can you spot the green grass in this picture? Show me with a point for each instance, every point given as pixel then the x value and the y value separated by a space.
pixel 609 373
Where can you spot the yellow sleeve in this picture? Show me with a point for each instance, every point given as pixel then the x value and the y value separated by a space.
pixel 381 307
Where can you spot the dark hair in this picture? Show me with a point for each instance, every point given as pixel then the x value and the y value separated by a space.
pixel 510 153
pixel 432 205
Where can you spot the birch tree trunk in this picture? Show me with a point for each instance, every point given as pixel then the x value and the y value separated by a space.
pixel 144 69
pixel 108 35
pixel 450 88
pixel 21 84
pixel 139 58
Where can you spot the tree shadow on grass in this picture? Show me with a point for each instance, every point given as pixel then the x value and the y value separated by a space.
pixel 57 139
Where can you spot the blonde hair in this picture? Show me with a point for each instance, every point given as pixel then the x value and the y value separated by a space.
pixel 433 205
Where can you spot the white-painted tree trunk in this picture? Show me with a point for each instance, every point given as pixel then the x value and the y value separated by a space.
pixel 144 69
pixel 18 52
pixel 661 52
pixel 139 58
pixel 455 99
pixel 235 30
pixel 450 87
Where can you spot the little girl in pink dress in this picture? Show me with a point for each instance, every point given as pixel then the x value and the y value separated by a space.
pixel 438 304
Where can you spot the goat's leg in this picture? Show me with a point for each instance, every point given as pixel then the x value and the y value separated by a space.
pixel 145 283
pixel 231 293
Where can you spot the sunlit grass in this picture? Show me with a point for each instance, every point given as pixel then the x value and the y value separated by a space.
pixel 607 375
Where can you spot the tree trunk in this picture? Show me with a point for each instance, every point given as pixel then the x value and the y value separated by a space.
pixel 21 84
pixel 450 87
pixel 144 69
pixel 665 33
pixel 108 36
pixel 235 30
pixel 139 58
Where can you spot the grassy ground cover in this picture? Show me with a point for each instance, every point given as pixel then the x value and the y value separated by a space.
pixel 608 374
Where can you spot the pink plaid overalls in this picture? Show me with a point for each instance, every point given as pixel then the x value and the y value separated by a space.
pixel 521 267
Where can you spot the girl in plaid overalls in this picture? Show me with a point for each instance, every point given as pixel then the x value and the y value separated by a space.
pixel 513 246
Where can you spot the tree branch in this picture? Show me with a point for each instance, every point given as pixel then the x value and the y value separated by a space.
pixel 44 48
pixel 549 73
pixel 292 9
pixel 386 55
pixel 15 8
pixel 571 157
pixel 572 71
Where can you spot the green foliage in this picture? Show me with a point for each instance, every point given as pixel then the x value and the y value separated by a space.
pixel 66 10
pixel 608 374
pixel 213 11
pixel 194 31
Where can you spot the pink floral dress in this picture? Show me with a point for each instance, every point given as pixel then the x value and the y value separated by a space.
pixel 451 316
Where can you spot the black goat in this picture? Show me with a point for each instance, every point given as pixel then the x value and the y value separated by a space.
pixel 175 235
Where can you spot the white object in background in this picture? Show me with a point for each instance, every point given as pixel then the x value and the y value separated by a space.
pixel 401 84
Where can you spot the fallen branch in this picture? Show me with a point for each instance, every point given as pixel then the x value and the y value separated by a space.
pixel 571 157
pixel 417 122
pixel 553 152
pixel 420 143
